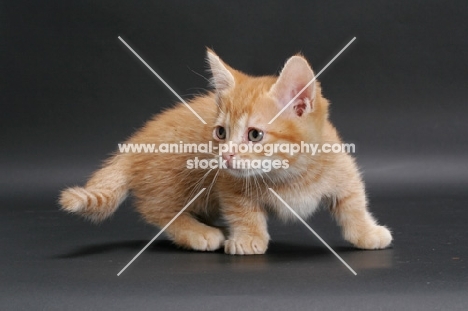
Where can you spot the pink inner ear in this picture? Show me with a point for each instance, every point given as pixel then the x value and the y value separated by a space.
pixel 307 93
pixel 295 75
pixel 300 103
pixel 300 108
pixel 288 92
pixel 303 102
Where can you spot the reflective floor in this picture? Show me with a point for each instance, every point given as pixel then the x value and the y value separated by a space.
pixel 51 260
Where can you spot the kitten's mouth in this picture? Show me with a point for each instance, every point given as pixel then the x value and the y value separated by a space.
pixel 235 166
pixel 241 172
pixel 246 167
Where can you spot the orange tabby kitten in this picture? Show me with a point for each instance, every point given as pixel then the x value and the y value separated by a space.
pixel 238 111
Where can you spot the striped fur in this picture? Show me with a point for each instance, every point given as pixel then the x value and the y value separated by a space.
pixel 102 195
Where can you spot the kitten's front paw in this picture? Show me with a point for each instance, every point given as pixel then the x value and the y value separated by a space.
pixel 209 239
pixel 246 245
pixel 377 237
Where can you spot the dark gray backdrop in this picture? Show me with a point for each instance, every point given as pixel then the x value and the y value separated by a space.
pixel 70 91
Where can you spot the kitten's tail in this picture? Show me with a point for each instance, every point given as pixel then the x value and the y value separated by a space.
pixel 103 193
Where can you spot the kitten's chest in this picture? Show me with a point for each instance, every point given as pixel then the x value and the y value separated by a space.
pixel 303 200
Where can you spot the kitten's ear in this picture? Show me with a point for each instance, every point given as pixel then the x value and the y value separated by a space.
pixel 222 78
pixel 295 76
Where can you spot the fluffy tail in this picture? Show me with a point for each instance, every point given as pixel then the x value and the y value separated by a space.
pixel 107 188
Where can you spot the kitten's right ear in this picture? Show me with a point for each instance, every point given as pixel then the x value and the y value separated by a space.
pixel 296 81
pixel 222 78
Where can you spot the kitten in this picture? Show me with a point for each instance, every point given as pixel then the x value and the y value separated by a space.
pixel 238 111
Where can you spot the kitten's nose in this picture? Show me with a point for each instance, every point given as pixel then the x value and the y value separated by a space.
pixel 228 156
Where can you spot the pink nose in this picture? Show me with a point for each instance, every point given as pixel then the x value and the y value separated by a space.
pixel 228 156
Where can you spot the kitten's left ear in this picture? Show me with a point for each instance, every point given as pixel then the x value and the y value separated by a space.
pixel 222 79
pixel 295 76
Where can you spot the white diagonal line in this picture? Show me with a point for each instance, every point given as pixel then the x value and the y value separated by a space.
pixel 312 230
pixel 312 81
pixel 162 80
pixel 162 230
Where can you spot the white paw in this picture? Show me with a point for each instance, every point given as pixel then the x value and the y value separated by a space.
pixel 209 240
pixel 246 245
pixel 377 237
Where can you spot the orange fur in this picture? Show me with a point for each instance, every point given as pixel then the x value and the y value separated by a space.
pixel 162 184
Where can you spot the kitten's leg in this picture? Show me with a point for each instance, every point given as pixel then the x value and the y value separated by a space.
pixel 188 232
pixel 358 225
pixel 248 232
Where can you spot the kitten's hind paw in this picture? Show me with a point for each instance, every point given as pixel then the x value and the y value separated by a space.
pixel 246 245
pixel 378 237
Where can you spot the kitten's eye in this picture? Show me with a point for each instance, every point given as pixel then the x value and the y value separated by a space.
pixel 220 132
pixel 255 135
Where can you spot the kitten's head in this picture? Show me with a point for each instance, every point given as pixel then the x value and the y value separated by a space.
pixel 249 110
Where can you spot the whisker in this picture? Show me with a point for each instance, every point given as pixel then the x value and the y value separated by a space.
pixel 209 190
pixel 200 75
pixel 197 186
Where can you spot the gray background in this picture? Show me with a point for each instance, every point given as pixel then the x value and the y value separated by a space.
pixel 70 91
